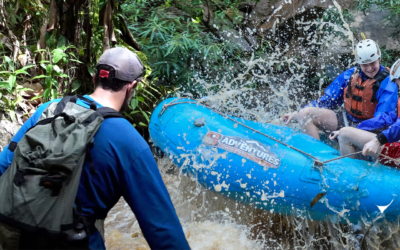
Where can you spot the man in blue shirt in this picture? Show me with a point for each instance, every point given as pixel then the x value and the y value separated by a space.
pixel 123 161
pixel 365 91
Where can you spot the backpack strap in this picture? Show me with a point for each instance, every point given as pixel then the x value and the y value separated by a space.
pixel 378 79
pixel 92 104
pixel 106 113
pixel 61 105
pixel 109 113
pixel 68 119
pixel 57 112
pixel 12 146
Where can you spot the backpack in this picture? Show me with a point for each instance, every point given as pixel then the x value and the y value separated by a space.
pixel 38 190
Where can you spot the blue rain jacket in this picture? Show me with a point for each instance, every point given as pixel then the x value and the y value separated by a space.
pixel 333 97
pixel 125 167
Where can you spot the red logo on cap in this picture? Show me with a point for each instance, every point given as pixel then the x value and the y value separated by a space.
pixel 104 73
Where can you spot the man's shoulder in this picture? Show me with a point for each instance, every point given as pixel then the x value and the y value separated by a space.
pixel 118 124
pixel 35 117
pixel 120 132
pixel 46 104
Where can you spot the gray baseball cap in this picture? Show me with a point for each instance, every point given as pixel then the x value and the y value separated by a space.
pixel 126 64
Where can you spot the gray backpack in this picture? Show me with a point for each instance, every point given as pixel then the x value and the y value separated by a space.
pixel 38 190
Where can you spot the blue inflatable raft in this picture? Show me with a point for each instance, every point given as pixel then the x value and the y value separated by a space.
pixel 275 168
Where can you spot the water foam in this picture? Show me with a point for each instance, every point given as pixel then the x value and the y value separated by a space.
pixel 212 221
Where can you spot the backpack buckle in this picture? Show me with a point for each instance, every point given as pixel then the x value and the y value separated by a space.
pixel 53 182
pixel 19 177
pixel 69 119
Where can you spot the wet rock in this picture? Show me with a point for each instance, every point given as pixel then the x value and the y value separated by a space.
pixel 236 38
pixel 267 13
pixel 234 16
pixel 247 7
pixel 373 26
pixel 7 130
pixel 277 21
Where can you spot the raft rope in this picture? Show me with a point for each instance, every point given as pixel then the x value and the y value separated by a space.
pixel 244 125
pixel 340 157
pixel 317 161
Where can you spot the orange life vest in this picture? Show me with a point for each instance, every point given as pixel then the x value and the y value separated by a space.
pixel 360 97
pixel 398 108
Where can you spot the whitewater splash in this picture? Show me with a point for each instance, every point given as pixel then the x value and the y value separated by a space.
pixel 212 221
pixel 209 220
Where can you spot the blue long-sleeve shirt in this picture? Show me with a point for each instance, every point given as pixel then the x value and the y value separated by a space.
pixel 386 125
pixel 125 167
pixel 333 97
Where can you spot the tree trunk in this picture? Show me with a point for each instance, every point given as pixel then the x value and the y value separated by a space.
pixel 15 43
pixel 27 26
pixel 61 18
pixel 11 35
pixel 87 26
pixel 42 39
pixel 16 8
pixel 53 15
pixel 208 14
pixel 41 43
pixel 112 35
pixel 107 27
pixel 78 23
pixel 127 35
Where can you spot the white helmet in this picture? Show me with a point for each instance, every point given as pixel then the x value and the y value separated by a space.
pixel 367 51
pixel 395 71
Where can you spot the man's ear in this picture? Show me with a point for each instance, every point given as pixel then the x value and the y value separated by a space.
pixel 132 84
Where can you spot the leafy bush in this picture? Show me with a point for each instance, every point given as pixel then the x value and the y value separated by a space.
pixel 177 47
pixel 56 72
pixel 389 56
pixel 8 84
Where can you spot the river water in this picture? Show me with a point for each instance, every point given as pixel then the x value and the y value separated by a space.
pixel 212 221
pixel 209 220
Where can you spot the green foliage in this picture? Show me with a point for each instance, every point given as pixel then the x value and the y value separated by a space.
pixel 56 70
pixel 332 16
pixel 392 20
pixel 177 46
pixel 142 103
pixel 389 56
pixel 8 84
pixel 73 47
